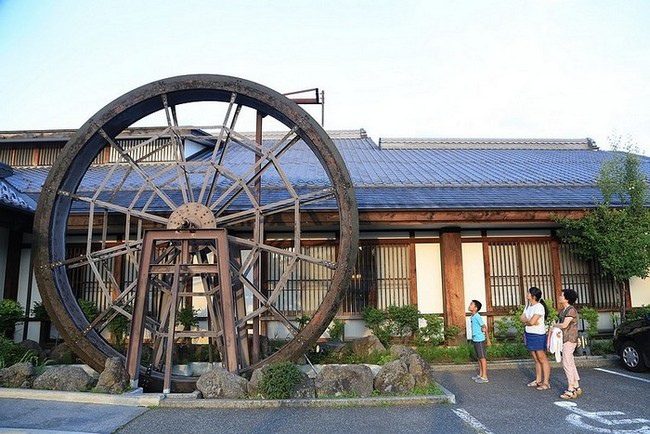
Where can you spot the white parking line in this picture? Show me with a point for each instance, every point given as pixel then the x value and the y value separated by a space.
pixel 471 420
pixel 622 375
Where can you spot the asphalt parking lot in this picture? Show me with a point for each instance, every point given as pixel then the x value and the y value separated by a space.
pixel 615 401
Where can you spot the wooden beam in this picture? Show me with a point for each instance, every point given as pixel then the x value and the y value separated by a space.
pixel 452 278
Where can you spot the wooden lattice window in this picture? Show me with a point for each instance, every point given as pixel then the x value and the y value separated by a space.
pixel 515 266
pixel 307 283
pixel 380 279
pixel 586 277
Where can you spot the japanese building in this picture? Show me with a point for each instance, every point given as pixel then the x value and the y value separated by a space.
pixel 441 222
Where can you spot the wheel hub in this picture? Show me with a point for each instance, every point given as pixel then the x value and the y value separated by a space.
pixel 192 215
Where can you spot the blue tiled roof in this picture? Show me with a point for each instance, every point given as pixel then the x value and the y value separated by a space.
pixel 534 174
pixel 12 197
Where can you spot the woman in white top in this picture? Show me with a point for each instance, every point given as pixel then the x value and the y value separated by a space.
pixel 533 317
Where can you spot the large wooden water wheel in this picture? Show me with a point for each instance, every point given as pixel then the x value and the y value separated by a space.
pixel 105 193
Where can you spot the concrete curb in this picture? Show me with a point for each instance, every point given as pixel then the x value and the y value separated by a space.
pixel 375 401
pixel 581 362
pixel 131 399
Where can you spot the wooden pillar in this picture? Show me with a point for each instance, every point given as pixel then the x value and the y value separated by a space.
pixel 12 275
pixel 557 272
pixel 452 278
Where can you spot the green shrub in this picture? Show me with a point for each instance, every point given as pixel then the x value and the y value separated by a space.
pixel 457 354
pixel 119 327
pixel 507 350
pixel 552 316
pixel 11 352
pixel 39 311
pixel 638 312
pixel 303 320
pixel 590 316
pixel 504 326
pixel 373 317
pixel 187 317
pixel 377 321
pixel 432 333
pixel 10 313
pixel 89 309
pixel 279 379
pixel 451 332
pixel 602 347
pixel 404 319
pixel 336 330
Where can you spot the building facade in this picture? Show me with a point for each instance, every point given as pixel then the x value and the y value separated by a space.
pixel 441 222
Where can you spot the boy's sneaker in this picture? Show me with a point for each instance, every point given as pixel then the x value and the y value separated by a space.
pixel 481 380
pixel 476 377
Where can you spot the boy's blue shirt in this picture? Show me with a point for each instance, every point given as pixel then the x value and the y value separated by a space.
pixel 477 324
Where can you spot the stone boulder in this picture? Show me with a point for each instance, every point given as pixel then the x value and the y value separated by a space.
pixel 114 378
pixel 344 380
pixel 399 351
pixel 305 389
pixel 367 345
pixel 253 386
pixel 34 347
pixel 61 354
pixel 66 378
pixel 19 375
pixel 419 369
pixel 219 383
pixel 394 378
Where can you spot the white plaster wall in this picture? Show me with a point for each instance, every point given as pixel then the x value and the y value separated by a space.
pixel 639 291
pixel 429 277
pixel 473 273
pixel 24 277
pixel 473 278
pixel 355 328
pixel 4 239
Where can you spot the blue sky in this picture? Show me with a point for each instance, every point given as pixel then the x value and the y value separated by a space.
pixel 502 68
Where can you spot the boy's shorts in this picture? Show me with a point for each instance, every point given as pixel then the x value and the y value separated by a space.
pixel 479 348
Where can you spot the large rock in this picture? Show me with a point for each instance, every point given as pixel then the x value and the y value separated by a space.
pixel 253 386
pixel 394 378
pixel 219 383
pixel 114 378
pixel 305 389
pixel 18 375
pixel 61 354
pixel 367 345
pixel 67 378
pixel 34 347
pixel 419 369
pixel 344 380
pixel 399 351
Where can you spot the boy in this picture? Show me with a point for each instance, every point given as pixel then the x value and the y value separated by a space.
pixel 480 337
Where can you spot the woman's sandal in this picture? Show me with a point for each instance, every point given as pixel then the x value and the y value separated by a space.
pixel 578 391
pixel 534 384
pixel 543 387
pixel 569 394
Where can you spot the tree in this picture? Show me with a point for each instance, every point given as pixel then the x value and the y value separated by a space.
pixel 617 232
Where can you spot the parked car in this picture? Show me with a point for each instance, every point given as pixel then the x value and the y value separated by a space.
pixel 632 343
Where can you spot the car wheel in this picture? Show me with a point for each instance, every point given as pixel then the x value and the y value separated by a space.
pixel 631 357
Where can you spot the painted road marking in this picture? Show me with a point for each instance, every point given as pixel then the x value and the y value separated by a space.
pixel 471 420
pixel 577 419
pixel 622 375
